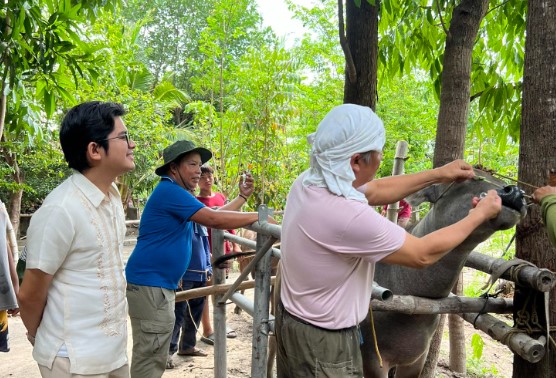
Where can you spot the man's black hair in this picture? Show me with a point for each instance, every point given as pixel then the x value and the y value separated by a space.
pixel 205 168
pixel 85 123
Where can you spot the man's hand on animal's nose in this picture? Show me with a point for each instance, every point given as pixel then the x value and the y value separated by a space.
pixel 490 205
pixel 458 170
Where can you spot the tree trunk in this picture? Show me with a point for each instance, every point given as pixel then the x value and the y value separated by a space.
pixel 14 205
pixel 452 118
pixel 536 156
pixel 362 40
pixel 2 109
pixel 15 209
pixel 429 370
pixel 457 334
pixel 456 76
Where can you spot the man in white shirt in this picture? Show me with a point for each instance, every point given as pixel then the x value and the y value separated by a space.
pixel 72 298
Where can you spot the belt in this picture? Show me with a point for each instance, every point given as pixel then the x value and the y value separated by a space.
pixel 299 320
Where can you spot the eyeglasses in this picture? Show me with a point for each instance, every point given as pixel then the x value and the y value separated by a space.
pixel 124 136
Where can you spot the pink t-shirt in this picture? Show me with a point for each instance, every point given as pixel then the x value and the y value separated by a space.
pixel 329 249
pixel 216 200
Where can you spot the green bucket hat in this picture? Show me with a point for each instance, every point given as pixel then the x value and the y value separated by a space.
pixel 177 149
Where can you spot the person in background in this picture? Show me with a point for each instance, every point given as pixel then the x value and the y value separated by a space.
pixel 188 313
pixel 163 251
pixel 546 197
pixel 9 283
pixel 213 200
pixel 72 298
pixel 404 213
pixel 332 239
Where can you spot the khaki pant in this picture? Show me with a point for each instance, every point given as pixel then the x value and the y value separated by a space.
pixel 151 310
pixel 61 369
pixel 308 351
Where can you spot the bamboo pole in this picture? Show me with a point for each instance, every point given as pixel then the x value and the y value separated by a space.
pixel 410 305
pixel 539 279
pixel 219 309
pixel 261 307
pixel 397 169
pixel 519 342
pixel 214 289
pixel 265 247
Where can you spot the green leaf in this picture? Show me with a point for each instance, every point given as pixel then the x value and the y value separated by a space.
pixel 48 103
pixel 388 6
pixel 477 344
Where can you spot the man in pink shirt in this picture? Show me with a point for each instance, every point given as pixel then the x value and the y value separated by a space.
pixel 332 238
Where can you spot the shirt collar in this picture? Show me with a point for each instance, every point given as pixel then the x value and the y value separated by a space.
pixel 90 190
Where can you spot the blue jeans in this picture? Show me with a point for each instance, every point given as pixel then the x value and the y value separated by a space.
pixel 188 317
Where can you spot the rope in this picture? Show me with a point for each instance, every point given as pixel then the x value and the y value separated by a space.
pixel 509 245
pixel 445 190
pixel 486 296
pixel 374 336
pixel 526 320
pixel 514 265
pixel 514 180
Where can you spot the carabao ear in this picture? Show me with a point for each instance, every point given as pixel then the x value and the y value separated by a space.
pixel 429 194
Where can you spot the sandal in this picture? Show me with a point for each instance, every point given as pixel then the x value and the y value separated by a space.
pixel 230 333
pixel 170 363
pixel 208 339
pixel 194 352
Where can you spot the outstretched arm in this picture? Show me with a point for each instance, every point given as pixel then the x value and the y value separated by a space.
pixel 394 188
pixel 421 252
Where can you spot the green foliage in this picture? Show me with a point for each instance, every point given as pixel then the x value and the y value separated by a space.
pixel 497 56
pixel 405 105
pixel 477 344
pixel 149 108
pixel 169 35
pixel 474 288
pixel 475 365
pixel 40 40
pixel 42 165
pixel 232 86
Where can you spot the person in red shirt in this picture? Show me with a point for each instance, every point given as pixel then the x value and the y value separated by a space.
pixel 404 213
pixel 213 200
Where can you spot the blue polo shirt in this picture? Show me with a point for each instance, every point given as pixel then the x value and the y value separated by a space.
pixel 163 249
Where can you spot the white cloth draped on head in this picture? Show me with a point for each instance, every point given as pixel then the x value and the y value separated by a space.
pixel 346 130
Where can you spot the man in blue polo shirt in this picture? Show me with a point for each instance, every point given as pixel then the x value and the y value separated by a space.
pixel 163 251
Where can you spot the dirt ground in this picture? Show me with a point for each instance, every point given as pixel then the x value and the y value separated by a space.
pixel 20 364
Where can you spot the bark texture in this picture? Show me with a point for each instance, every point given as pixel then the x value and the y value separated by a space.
pixel 362 39
pixel 456 84
pixel 536 156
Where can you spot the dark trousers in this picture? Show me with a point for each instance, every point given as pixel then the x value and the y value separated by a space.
pixel 188 317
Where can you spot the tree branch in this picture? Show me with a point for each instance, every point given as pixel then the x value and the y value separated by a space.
pixel 350 66
pixel 441 20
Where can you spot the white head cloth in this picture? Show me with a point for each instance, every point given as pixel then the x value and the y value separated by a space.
pixel 346 130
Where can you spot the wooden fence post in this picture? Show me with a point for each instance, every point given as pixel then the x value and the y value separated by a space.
pixel 219 309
